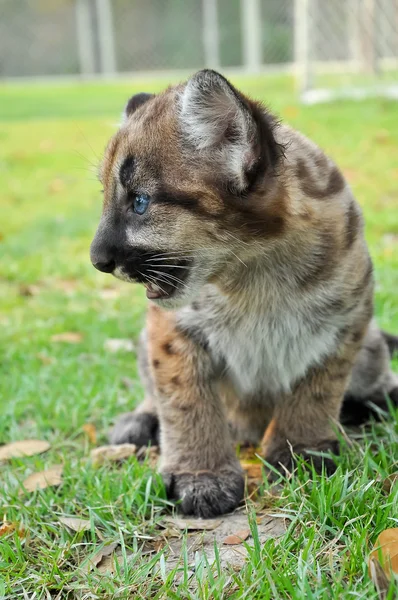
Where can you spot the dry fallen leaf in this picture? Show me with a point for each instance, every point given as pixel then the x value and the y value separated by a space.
pixel 23 448
pixel 29 290
pixel 65 285
pixel 116 453
pixel 44 359
pixel 43 479
pixel 386 551
pixel 91 432
pixel 237 538
pixel 101 554
pixel 69 337
pixel 109 293
pixel 379 578
pixel 75 524
pixel 114 345
pixel 6 528
pixel 107 564
pixel 193 524
pixel 56 185
pixel 390 482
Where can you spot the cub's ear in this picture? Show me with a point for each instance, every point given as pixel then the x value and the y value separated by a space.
pixel 134 102
pixel 218 121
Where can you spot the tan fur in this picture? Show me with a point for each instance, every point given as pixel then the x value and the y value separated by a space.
pixel 264 322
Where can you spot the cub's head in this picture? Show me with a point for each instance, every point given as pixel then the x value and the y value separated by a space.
pixel 188 182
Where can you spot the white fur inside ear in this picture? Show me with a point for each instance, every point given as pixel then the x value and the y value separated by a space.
pixel 208 109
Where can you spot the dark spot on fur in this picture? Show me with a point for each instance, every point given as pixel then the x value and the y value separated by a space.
pixel 353 225
pixel 338 376
pixel 320 397
pixel 357 335
pixel 168 348
pixel 320 265
pixel 195 306
pixel 365 281
pixel 313 188
pixel 175 380
pixel 156 363
pixel 126 172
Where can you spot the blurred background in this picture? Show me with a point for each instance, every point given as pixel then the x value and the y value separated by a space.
pixel 67 68
pixel 356 40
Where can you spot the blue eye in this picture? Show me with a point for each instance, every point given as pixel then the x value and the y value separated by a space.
pixel 141 203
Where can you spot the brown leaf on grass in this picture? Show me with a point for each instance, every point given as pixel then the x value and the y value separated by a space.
pixel 6 528
pixel 28 290
pixel 193 524
pixel 386 551
pixel 237 538
pixel 109 293
pixel 23 448
pixel 100 555
pixel 383 136
pixel 115 345
pixel 69 337
pixel 390 482
pixel 75 523
pixel 379 578
pixel 56 186
pixel 91 432
pixel 117 453
pixel 44 359
pixel 108 563
pixel 65 285
pixel 43 479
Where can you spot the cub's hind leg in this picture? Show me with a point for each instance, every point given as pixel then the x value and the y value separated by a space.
pixel 140 426
pixel 372 379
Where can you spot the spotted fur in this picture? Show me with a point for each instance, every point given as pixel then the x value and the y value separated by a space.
pixel 252 250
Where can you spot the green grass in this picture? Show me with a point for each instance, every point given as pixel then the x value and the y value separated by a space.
pixel 50 138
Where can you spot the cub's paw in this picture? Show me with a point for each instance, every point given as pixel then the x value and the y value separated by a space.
pixel 285 457
pixel 206 494
pixel 140 429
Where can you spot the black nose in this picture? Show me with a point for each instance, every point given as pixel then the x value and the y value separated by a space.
pixel 105 267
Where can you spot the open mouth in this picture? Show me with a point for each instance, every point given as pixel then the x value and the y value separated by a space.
pixel 157 292
pixel 165 281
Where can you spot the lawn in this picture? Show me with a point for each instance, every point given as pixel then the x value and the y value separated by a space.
pixel 51 138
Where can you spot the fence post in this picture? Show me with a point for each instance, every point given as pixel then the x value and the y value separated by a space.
pixel 354 31
pixel 211 42
pixel 302 42
pixel 251 34
pixel 369 48
pixel 85 38
pixel 106 39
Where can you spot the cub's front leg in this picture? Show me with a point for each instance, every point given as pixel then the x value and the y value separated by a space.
pixel 198 463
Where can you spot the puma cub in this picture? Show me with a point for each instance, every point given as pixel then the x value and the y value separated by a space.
pixel 251 248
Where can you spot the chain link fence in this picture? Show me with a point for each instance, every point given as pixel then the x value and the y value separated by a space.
pixel 311 38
